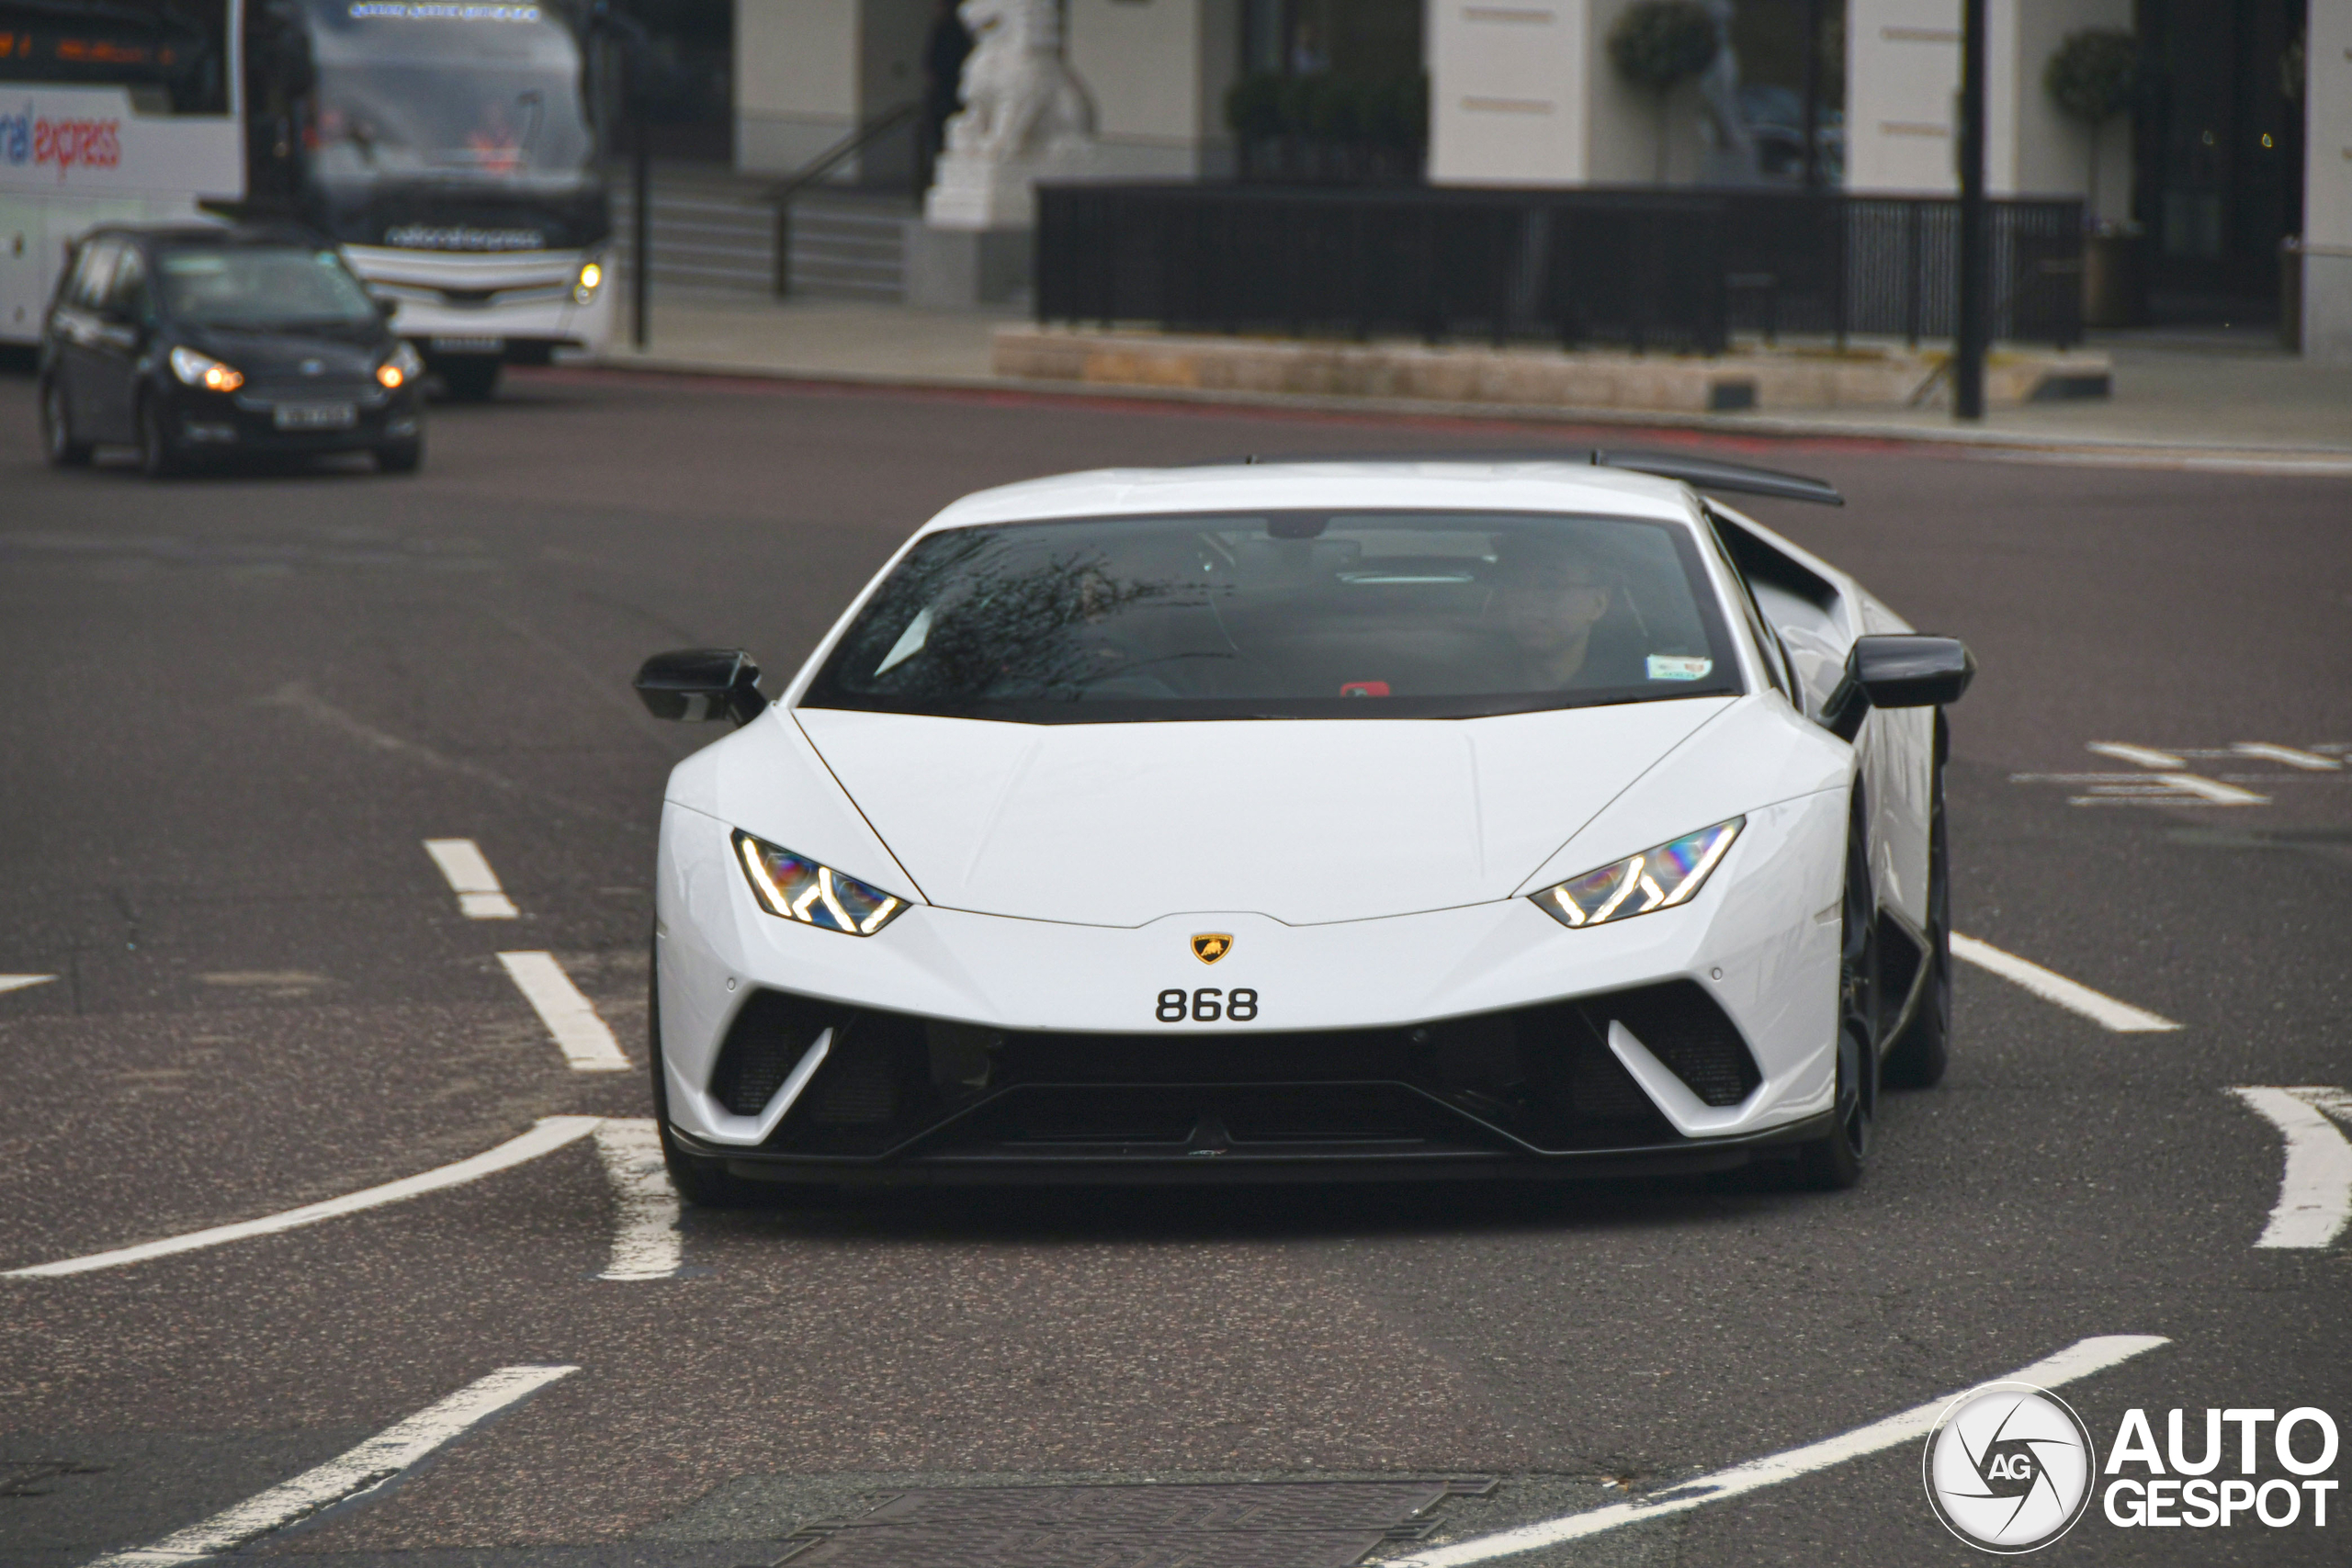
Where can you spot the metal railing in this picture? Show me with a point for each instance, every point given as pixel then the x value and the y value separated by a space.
pixel 817 168
pixel 1648 268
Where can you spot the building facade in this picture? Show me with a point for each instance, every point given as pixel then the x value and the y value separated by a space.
pixel 2211 171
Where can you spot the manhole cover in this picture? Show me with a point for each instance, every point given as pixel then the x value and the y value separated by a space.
pixel 1285 1524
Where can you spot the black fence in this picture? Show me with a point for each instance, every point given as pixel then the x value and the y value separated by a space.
pixel 1651 269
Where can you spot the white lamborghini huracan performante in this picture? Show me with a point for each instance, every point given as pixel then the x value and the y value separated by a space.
pixel 1461 816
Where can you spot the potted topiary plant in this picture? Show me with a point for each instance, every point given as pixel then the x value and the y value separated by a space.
pixel 2095 76
pixel 1658 44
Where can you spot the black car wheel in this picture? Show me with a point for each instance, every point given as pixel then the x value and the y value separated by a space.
pixel 1835 1161
pixel 57 429
pixel 700 1181
pixel 157 457
pixel 1919 1054
pixel 400 457
pixel 472 380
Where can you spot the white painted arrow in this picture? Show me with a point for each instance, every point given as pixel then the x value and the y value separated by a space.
pixel 19 982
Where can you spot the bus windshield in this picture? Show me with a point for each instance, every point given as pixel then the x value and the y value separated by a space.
pixel 484 94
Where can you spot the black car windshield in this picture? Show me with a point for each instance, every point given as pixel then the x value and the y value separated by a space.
pixel 1359 614
pixel 263 286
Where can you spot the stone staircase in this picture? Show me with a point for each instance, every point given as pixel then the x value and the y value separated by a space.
pixel 715 230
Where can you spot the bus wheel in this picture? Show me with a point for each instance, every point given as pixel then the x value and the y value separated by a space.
pixel 57 430
pixel 472 380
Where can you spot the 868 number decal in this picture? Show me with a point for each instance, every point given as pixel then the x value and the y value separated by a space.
pixel 1207 1005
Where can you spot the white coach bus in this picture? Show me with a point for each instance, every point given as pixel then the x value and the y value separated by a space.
pixel 451 147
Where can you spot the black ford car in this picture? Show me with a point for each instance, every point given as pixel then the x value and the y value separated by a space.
pixel 205 340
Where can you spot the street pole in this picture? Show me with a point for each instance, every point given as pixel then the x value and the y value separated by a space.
pixel 1969 330
pixel 1813 95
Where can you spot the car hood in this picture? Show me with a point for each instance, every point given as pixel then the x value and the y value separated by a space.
pixel 1305 821
pixel 340 356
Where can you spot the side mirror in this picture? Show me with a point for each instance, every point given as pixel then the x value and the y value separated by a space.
pixel 695 684
pixel 1897 672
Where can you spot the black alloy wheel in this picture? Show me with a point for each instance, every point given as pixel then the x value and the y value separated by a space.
pixel 1836 1162
pixel 702 1182
pixel 1921 1054
pixel 57 429
pixel 156 458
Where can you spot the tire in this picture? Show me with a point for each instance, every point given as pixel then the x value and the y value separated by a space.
pixel 157 458
pixel 57 430
pixel 1836 1162
pixel 702 1182
pixel 1921 1054
pixel 399 458
pixel 469 380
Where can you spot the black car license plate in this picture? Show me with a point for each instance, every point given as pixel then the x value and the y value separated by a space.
pixel 315 416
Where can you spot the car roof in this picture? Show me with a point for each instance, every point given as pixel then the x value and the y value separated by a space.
pixel 1480 482
pixel 211 235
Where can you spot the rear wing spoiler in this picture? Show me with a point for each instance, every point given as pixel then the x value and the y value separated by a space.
pixel 1699 473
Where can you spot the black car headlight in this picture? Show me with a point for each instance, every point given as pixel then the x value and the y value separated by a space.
pixel 1655 879
pixel 797 888
pixel 203 370
pixel 399 367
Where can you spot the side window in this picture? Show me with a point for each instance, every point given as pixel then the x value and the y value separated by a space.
pixel 93 275
pixel 1768 641
pixel 127 294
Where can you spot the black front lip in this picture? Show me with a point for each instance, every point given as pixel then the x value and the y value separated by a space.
pixel 1160 1163
pixel 252 420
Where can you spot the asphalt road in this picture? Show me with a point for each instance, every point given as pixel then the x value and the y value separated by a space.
pixel 236 706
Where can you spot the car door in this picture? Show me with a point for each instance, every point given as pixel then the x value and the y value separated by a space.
pixel 74 324
pixel 126 320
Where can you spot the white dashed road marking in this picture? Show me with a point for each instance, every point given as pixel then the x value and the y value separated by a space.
pixel 2077 1360
pixel 2147 756
pixel 468 872
pixel 19 982
pixel 2315 1189
pixel 380 1458
pixel 2294 757
pixel 583 1038
pixel 551 1132
pixel 2102 1009
pixel 646 1245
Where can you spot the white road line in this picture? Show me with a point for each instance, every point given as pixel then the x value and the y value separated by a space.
pixel 2104 1010
pixel 583 1037
pixel 2077 1360
pixel 19 982
pixel 2311 762
pixel 646 1244
pixel 2147 756
pixel 468 872
pixel 2214 790
pixel 2316 1189
pixel 380 1458
pixel 550 1133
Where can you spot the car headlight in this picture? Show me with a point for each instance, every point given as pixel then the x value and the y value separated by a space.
pixel 800 889
pixel 203 370
pixel 399 367
pixel 1655 879
pixel 584 287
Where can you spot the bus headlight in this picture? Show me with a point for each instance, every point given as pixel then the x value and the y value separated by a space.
pixel 592 277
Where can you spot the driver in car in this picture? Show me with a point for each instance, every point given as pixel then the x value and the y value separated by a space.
pixel 1552 599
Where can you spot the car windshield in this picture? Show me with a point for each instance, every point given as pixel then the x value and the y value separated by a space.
pixel 263 286
pixel 1286 615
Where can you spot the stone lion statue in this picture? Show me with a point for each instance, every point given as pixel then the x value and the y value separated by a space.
pixel 1021 103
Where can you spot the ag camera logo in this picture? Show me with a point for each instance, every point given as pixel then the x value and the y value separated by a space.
pixel 2009 1467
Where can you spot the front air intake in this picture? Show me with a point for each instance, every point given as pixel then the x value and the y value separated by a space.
pixel 1683 1028
pixel 768 1038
